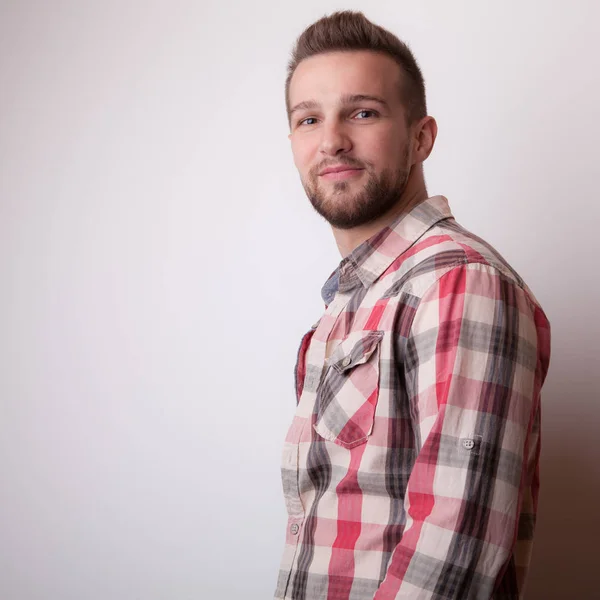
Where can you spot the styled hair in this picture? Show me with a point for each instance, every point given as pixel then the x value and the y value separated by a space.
pixel 349 31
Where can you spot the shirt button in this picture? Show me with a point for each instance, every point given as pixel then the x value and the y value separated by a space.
pixel 346 361
pixel 294 529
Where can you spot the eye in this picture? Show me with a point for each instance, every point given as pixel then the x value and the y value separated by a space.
pixel 305 121
pixel 362 112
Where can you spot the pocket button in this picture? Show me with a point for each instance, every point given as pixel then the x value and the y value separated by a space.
pixel 346 361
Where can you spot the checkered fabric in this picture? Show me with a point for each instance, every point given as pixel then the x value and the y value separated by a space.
pixel 410 469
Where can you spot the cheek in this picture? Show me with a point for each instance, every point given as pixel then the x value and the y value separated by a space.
pixel 303 153
pixel 384 150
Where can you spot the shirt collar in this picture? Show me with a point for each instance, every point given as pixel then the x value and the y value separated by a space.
pixel 368 261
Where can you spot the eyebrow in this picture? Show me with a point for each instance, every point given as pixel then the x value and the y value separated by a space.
pixel 346 99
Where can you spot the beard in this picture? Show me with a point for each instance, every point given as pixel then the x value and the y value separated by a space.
pixel 344 210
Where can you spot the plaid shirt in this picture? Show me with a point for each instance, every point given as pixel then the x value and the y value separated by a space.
pixel 411 466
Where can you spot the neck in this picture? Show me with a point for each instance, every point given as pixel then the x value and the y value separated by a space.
pixel 415 192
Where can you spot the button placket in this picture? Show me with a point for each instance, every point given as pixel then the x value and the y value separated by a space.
pixel 315 355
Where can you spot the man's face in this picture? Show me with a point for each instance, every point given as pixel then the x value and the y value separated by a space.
pixel 346 113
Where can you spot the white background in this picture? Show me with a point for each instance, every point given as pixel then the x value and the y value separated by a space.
pixel 159 262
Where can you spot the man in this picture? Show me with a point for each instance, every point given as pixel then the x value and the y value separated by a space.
pixel 411 467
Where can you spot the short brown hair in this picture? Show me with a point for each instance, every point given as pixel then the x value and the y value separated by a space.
pixel 348 31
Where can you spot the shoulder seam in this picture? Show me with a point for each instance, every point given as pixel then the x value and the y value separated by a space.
pixel 465 263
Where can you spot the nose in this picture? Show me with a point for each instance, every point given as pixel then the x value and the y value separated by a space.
pixel 335 139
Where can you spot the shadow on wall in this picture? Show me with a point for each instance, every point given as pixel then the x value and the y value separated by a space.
pixel 565 561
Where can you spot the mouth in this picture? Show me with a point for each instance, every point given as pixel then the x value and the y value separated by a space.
pixel 340 173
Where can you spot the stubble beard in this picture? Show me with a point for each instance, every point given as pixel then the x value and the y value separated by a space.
pixel 345 211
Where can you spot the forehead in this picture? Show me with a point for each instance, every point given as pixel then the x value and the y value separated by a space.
pixel 326 77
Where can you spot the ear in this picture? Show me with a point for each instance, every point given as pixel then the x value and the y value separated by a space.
pixel 425 134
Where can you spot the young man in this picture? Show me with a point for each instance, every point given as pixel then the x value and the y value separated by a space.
pixel 411 467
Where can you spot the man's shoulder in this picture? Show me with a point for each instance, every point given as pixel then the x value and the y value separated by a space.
pixel 446 246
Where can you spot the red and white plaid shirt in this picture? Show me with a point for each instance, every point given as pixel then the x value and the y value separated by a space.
pixel 411 466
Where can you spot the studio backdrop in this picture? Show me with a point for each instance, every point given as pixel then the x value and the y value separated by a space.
pixel 159 262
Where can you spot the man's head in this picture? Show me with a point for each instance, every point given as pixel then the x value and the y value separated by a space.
pixel 355 99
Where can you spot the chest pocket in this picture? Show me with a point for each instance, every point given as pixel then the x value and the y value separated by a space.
pixel 348 393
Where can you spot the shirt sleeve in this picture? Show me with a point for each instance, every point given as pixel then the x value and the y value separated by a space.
pixel 475 360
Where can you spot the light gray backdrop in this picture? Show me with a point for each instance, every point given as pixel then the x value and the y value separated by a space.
pixel 159 262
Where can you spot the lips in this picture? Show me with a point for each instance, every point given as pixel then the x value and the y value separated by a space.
pixel 338 169
pixel 340 172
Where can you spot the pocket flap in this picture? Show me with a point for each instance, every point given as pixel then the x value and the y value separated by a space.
pixel 354 350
